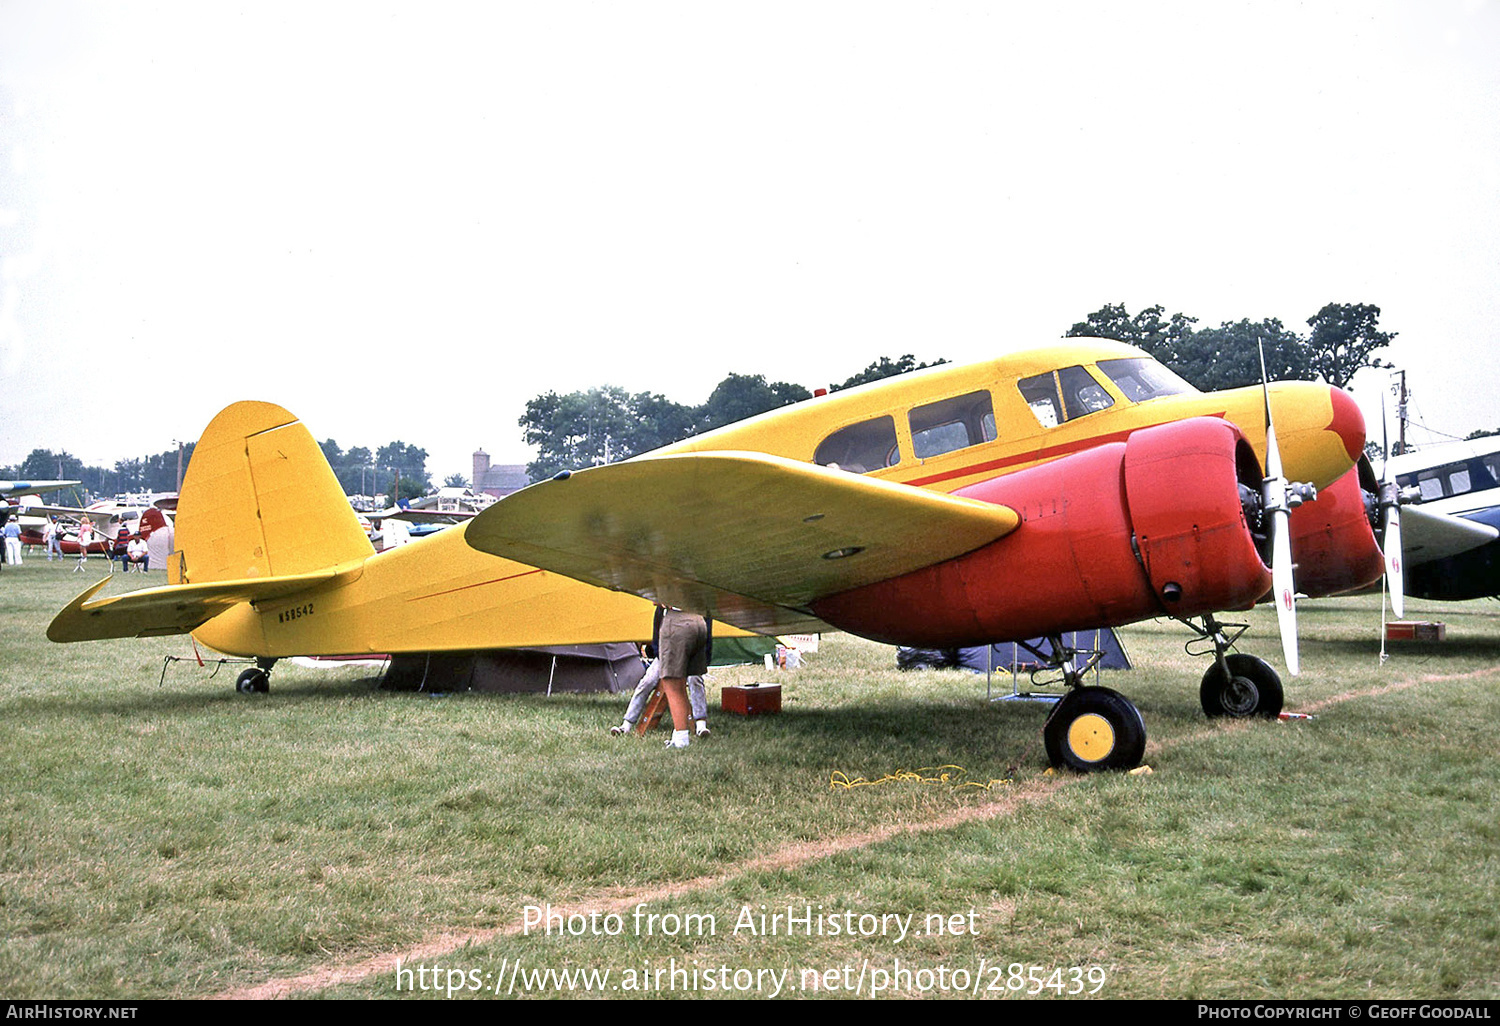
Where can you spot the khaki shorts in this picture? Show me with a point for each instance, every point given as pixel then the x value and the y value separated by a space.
pixel 683 644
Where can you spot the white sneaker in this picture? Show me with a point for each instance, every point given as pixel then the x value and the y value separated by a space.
pixel 703 731
pixel 670 744
pixel 619 729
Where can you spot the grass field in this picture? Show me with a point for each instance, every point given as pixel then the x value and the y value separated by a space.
pixel 177 839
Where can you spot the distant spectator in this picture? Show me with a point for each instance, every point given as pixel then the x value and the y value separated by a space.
pixel 85 539
pixel 13 542
pixel 120 549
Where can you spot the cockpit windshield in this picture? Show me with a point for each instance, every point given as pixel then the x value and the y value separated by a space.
pixel 1142 378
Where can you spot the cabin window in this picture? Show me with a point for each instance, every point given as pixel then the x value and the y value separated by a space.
pixel 1448 480
pixel 861 448
pixel 952 424
pixel 1063 395
pixel 1141 378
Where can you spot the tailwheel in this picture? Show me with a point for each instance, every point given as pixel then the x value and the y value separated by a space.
pixel 1249 688
pixel 1095 728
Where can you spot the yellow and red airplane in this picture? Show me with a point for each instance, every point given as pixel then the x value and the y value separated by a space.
pixel 1076 486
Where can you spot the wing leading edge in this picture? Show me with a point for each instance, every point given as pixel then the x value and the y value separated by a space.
pixel 749 538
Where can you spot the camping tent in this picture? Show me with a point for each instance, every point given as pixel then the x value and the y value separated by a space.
pixel 1000 655
pixel 614 667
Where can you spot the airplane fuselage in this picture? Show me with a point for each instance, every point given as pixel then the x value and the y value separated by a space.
pixel 949 428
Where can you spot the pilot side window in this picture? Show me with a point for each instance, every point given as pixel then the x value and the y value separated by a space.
pixel 1140 378
pixel 952 424
pixel 1063 395
pixel 861 448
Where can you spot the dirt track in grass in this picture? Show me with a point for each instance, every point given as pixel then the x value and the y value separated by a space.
pixel 790 856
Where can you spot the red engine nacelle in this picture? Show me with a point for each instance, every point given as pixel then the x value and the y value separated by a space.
pixel 1333 543
pixel 1150 526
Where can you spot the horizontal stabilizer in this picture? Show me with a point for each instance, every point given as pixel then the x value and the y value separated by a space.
pixel 172 608
pixel 748 538
pixel 1427 536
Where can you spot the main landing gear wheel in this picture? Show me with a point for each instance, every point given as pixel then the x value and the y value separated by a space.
pixel 1094 728
pixel 253 680
pixel 1252 689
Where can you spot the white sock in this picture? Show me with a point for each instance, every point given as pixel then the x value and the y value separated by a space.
pixel 679 739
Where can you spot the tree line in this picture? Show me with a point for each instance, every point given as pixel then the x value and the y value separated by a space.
pixel 155 473
pixel 606 423
pixel 603 424
pixel 1343 341
pixel 359 471
pixel 396 469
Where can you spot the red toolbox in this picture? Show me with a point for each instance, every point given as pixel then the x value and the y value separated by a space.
pixel 1416 630
pixel 750 699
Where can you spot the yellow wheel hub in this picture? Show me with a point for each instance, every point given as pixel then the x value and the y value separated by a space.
pixel 1090 737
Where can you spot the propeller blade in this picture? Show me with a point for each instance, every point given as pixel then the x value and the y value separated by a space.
pixel 1274 501
pixel 1282 586
pixel 1395 578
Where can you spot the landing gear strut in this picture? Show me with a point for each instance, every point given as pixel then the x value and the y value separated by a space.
pixel 1092 727
pixel 1236 685
pixel 257 679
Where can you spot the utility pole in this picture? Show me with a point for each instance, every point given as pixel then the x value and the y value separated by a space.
pixel 1401 411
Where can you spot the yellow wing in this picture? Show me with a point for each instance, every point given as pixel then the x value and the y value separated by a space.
pixel 748 538
pixel 174 608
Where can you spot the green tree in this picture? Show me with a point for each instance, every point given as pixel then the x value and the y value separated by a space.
pixel 659 421
pixel 740 396
pixel 1344 338
pixel 578 430
pixel 1147 330
pixel 401 470
pixel 885 367
pixel 47 465
pixel 358 474
pixel 1229 356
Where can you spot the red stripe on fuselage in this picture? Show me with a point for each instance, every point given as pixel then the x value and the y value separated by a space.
pixel 1039 456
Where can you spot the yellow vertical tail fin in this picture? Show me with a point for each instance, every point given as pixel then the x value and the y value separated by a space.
pixel 260 500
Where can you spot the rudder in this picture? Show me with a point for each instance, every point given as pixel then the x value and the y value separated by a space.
pixel 260 500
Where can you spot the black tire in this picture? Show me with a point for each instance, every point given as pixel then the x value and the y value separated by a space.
pixel 1093 729
pixel 1253 689
pixel 253 680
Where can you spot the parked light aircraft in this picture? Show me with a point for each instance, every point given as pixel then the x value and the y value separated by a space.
pixel 135 516
pixel 27 500
pixel 28 495
pixel 1064 488
pixel 1451 519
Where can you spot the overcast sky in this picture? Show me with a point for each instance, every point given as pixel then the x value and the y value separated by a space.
pixel 404 220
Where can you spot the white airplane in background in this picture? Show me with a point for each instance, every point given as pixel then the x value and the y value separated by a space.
pixel 1450 517
pixel 111 516
pixel 28 491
